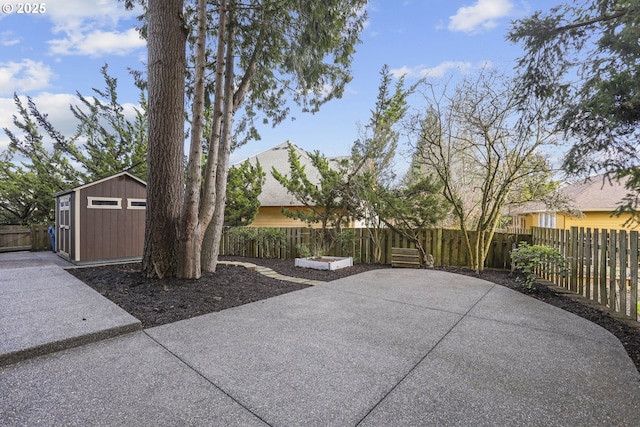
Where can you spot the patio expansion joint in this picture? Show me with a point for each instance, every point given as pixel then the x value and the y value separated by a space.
pixel 413 368
pixel 271 273
pixel 207 380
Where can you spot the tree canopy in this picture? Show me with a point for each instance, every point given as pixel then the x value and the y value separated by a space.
pixel 483 151
pixel 40 161
pixel 252 54
pixel 326 202
pixel 244 185
pixel 586 56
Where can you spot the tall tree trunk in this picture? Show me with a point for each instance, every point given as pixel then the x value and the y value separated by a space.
pixel 213 233
pixel 191 232
pixel 227 102
pixel 166 75
pixel 209 197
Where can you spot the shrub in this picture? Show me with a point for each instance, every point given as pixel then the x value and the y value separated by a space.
pixel 307 251
pixel 346 239
pixel 527 258
pixel 303 250
pixel 267 239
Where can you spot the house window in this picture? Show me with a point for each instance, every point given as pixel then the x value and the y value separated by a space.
pixel 547 220
pixel 104 203
pixel 136 203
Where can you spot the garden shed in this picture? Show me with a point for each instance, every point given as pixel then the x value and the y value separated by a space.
pixel 102 221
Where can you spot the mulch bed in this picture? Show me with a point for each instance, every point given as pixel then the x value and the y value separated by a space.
pixel 160 301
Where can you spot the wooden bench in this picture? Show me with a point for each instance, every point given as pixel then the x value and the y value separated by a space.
pixel 405 258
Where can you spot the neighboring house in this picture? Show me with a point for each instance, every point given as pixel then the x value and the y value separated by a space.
pixel 593 203
pixel 103 220
pixel 274 196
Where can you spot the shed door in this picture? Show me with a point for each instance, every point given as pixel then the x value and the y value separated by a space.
pixel 64 232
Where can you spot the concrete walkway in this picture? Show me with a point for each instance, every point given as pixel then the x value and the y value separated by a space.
pixel 45 309
pixel 384 348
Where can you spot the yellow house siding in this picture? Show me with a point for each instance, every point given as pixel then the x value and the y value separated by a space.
pixel 600 220
pixel 271 216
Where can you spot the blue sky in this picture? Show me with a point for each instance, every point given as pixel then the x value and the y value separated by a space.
pixel 51 55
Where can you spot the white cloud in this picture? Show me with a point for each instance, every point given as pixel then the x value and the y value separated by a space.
pixel 56 107
pixel 92 28
pixel 24 76
pixel 482 15
pixel 96 10
pixel 98 43
pixel 439 71
pixel 9 38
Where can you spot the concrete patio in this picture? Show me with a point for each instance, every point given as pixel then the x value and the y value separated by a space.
pixel 388 347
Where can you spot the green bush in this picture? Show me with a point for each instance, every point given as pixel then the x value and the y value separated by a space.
pixel 527 258
pixel 269 239
pixel 346 239
pixel 265 238
pixel 307 251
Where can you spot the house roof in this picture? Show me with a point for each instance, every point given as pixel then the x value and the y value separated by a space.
pixel 89 184
pixel 596 193
pixel 273 193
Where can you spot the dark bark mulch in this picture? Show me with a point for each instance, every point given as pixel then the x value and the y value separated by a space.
pixel 159 301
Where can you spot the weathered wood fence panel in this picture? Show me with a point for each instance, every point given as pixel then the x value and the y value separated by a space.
pixel 603 265
pixel 446 246
pixel 24 238
pixel 40 239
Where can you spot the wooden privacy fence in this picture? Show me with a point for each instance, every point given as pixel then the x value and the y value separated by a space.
pixel 446 246
pixel 603 265
pixel 24 238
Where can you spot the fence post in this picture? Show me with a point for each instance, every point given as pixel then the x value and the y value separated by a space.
pixel 553 238
pixel 596 263
pixel 581 261
pixel 612 269
pixel 633 265
pixel 588 262
pixel 573 249
pixel 621 289
pixel 604 249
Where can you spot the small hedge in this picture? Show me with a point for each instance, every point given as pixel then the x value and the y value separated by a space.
pixel 527 258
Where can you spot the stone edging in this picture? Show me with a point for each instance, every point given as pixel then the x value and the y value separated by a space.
pixel 272 274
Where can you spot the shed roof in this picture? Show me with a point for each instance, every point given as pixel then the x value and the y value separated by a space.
pixel 89 184
pixel 273 193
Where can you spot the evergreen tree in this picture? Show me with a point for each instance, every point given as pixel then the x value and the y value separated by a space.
pixel 108 142
pixel 29 167
pixel 584 57
pixel 325 202
pixel 263 53
pixel 244 185
pixel 42 161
